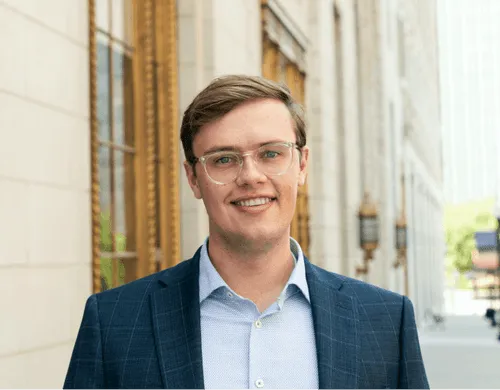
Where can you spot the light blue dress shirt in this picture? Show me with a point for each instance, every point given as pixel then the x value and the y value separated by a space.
pixel 243 348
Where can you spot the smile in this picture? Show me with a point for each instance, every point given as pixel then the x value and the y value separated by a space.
pixel 254 202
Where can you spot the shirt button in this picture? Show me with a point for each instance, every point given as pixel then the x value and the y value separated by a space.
pixel 259 383
pixel 229 295
pixel 258 324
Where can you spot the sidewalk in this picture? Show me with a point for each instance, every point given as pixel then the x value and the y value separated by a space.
pixel 464 355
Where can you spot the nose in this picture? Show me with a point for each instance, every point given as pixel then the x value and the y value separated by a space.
pixel 250 172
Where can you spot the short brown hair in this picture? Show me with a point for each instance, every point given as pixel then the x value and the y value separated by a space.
pixel 224 94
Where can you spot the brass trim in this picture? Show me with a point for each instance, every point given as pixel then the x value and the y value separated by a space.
pixel 94 150
pixel 368 208
pixel 270 57
pixel 140 141
pixel 173 152
pixel 155 127
pixel 276 29
pixel 111 159
pixel 150 130
pixel 161 129
pixel 168 134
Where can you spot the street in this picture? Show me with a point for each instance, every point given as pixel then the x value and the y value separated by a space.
pixel 466 354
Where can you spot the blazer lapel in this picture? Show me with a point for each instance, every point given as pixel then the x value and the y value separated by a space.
pixel 336 328
pixel 176 323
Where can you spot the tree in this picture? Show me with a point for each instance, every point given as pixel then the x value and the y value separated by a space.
pixel 461 224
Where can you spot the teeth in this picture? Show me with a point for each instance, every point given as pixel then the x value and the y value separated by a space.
pixel 253 202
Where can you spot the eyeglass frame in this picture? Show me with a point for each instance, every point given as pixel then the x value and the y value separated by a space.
pixel 203 160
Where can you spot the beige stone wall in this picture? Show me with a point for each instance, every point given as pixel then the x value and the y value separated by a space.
pixel 422 149
pixel 216 37
pixel 354 134
pixel 397 129
pixel 322 138
pixel 349 127
pixel 45 255
pixel 195 66
pixel 358 124
pixel 421 82
pixel 298 11
pixel 334 136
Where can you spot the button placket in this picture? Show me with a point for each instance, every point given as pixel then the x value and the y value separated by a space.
pixel 256 369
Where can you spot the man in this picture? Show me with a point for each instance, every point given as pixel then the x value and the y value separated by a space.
pixel 248 310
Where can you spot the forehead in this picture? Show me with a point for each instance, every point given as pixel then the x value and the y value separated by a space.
pixel 247 126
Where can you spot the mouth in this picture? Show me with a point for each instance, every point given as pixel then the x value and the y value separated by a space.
pixel 254 202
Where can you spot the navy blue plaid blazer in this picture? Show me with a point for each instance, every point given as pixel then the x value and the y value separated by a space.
pixel 146 334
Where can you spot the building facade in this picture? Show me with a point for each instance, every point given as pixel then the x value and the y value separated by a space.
pixel 470 67
pixel 96 196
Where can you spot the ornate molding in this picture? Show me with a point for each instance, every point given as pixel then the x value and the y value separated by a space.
pixel 94 150
pixel 287 22
pixel 166 50
pixel 280 30
pixel 150 130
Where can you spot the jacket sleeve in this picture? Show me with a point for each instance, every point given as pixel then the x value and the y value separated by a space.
pixel 86 366
pixel 412 373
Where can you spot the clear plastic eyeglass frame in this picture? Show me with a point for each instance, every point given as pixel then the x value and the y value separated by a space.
pixel 203 160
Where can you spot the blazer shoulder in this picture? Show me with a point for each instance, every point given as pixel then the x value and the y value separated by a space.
pixel 362 292
pixel 367 293
pixel 145 286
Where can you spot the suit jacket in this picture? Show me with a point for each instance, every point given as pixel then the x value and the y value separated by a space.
pixel 146 334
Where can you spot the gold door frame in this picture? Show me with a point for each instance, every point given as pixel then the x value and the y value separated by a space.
pixel 283 59
pixel 155 37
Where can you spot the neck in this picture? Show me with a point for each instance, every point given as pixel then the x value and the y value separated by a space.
pixel 255 270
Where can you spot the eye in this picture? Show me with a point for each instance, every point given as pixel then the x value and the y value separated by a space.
pixel 270 154
pixel 224 160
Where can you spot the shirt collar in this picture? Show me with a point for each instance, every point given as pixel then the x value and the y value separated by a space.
pixel 210 280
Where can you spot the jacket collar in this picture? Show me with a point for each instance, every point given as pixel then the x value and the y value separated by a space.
pixel 336 327
pixel 176 312
pixel 210 279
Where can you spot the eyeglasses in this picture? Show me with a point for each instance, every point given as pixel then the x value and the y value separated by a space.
pixel 225 166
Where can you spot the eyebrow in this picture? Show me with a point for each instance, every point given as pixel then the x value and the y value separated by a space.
pixel 235 149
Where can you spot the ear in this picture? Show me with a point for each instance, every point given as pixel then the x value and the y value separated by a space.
pixel 304 159
pixel 192 179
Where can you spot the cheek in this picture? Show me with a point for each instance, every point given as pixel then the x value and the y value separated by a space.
pixel 287 190
pixel 213 198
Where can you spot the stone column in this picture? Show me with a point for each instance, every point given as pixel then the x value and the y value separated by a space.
pixel 323 139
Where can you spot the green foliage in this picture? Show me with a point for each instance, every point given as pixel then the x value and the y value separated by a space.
pixel 461 223
pixel 106 235
pixel 107 246
pixel 460 244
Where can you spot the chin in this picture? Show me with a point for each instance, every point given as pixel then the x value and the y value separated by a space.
pixel 250 231
pixel 261 234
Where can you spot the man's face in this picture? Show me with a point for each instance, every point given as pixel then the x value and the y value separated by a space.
pixel 247 127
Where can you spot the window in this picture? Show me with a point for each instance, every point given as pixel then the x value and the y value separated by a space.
pixel 135 210
pixel 283 60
